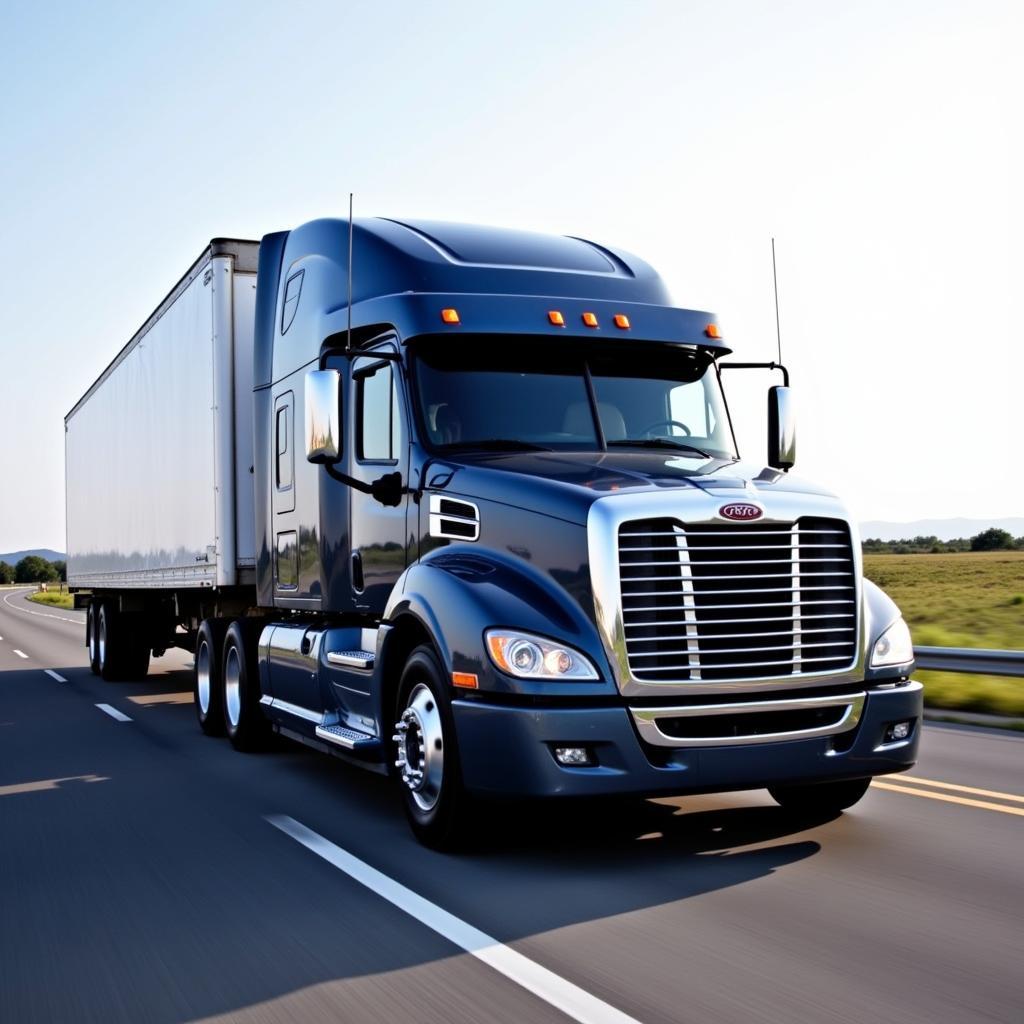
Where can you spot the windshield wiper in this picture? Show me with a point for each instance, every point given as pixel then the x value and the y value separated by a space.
pixel 495 444
pixel 661 442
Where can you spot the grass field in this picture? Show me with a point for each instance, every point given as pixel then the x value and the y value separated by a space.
pixel 53 599
pixel 973 599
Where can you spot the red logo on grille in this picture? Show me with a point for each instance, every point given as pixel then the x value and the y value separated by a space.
pixel 741 512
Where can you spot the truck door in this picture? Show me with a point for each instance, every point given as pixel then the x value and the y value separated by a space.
pixel 381 445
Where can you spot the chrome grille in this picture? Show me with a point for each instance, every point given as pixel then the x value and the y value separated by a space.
pixel 724 602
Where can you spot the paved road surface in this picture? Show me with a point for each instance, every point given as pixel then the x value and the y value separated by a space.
pixel 141 880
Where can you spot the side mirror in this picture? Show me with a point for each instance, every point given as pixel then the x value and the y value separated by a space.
pixel 781 429
pixel 323 416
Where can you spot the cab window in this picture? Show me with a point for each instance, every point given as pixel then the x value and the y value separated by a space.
pixel 378 417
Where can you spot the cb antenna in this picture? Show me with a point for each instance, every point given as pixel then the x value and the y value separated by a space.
pixel 775 283
pixel 348 340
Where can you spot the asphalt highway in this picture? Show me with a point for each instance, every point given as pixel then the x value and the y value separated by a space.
pixel 149 873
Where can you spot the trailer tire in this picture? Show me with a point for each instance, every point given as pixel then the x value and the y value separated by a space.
pixel 427 756
pixel 108 642
pixel 246 726
pixel 207 678
pixel 92 636
pixel 820 797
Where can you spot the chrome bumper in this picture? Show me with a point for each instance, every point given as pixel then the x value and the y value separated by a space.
pixel 848 709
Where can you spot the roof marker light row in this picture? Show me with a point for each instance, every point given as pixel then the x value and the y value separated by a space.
pixel 557 319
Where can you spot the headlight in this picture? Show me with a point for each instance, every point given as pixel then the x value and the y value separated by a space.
pixel 532 657
pixel 893 647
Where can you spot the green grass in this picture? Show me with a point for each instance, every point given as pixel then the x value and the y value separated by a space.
pixel 53 599
pixel 969 599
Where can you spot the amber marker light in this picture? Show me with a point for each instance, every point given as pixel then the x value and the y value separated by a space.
pixel 622 321
pixel 467 680
pixel 590 319
pixel 450 316
pixel 556 318
pixel 712 331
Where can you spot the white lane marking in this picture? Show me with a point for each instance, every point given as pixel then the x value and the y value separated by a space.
pixel 573 1001
pixel 20 654
pixel 113 712
pixel 42 615
pixel 54 675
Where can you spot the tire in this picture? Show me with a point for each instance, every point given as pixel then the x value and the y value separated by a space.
pixel 244 722
pixel 122 644
pixel 92 636
pixel 207 678
pixel 427 756
pixel 821 797
pixel 108 642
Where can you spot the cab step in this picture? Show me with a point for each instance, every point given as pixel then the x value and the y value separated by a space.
pixel 351 659
pixel 350 739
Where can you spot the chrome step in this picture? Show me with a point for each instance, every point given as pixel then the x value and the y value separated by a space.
pixel 351 659
pixel 350 739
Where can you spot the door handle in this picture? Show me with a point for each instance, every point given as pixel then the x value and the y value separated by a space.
pixel 307 644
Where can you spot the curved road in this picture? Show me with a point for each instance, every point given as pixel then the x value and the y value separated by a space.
pixel 143 878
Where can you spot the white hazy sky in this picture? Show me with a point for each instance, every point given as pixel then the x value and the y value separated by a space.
pixel 880 142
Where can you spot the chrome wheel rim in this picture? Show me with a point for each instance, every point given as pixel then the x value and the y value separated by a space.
pixel 203 676
pixel 233 686
pixel 94 653
pixel 419 741
pixel 101 641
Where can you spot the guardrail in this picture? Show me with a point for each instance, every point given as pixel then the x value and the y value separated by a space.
pixel 971 660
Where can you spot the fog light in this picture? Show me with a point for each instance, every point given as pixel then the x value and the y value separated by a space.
pixel 573 756
pixel 897 731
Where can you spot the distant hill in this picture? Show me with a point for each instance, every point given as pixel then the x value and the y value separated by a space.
pixel 48 553
pixel 944 529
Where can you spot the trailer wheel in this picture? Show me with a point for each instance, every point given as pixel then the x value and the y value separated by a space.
pixel 108 642
pixel 207 680
pixel 820 797
pixel 92 636
pixel 122 644
pixel 246 726
pixel 427 756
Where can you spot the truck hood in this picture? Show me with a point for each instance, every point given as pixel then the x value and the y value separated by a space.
pixel 565 484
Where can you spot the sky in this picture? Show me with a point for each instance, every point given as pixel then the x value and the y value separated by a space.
pixel 879 143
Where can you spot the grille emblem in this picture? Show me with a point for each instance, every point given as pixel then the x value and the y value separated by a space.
pixel 741 512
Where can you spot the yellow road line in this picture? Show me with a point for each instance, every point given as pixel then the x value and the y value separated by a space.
pixel 985 805
pixel 960 789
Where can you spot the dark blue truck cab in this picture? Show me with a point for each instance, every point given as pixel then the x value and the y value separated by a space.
pixel 520 556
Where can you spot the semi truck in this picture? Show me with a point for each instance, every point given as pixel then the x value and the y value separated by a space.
pixel 464 506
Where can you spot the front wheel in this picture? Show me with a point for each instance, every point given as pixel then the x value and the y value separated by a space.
pixel 821 797
pixel 426 755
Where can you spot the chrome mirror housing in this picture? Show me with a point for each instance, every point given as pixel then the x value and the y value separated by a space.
pixel 323 416
pixel 781 429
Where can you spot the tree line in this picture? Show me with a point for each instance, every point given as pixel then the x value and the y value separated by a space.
pixel 988 540
pixel 33 569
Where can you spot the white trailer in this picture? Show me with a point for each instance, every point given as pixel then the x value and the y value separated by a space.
pixel 159 450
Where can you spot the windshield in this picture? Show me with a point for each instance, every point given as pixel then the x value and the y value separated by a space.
pixel 502 393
